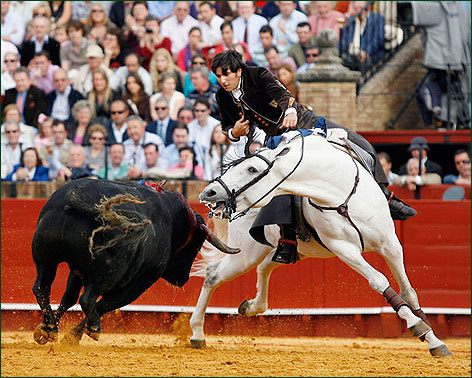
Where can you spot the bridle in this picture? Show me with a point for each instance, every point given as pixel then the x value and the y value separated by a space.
pixel 230 203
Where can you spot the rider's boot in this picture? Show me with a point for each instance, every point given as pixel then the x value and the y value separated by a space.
pixel 286 252
pixel 399 210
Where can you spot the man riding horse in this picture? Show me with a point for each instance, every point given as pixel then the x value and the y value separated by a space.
pixel 254 96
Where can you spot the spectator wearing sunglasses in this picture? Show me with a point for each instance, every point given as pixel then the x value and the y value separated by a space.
pixel 311 53
pixel 118 125
pixel 11 61
pixel 197 61
pixel 462 163
pixel 95 152
pixel 13 148
pixel 164 125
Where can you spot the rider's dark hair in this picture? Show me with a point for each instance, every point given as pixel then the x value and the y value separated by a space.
pixel 229 60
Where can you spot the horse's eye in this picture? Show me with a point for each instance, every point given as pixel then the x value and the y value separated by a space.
pixel 252 170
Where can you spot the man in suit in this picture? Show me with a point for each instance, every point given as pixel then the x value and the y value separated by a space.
pixel 253 95
pixel 163 126
pixel 61 100
pixel 117 127
pixel 30 100
pixel 417 144
pixel 40 41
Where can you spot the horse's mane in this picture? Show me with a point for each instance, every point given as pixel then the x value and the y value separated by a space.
pixel 235 162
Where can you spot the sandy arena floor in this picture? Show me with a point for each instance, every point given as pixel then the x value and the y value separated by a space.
pixel 165 355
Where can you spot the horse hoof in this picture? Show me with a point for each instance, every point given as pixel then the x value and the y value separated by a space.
pixel 440 351
pixel 420 329
pixel 242 309
pixel 197 344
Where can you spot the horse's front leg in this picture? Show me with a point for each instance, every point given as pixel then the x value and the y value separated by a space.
pixel 259 304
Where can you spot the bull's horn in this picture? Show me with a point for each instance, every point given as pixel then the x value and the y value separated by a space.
pixel 218 243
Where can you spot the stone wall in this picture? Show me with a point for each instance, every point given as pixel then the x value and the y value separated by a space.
pixel 378 101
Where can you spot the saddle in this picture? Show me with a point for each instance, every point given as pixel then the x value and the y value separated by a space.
pixel 339 137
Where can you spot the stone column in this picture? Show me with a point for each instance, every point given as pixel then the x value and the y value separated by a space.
pixel 330 88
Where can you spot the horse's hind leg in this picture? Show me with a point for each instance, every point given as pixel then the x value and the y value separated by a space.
pixel 351 255
pixel 394 257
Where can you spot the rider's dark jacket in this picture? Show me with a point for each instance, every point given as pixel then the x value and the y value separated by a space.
pixel 264 101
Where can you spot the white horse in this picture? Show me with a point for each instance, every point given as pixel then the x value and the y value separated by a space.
pixel 365 226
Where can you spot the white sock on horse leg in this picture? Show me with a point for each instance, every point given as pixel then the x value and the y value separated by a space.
pixel 405 313
pixel 433 341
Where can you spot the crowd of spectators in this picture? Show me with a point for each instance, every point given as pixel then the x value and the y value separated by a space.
pixel 123 89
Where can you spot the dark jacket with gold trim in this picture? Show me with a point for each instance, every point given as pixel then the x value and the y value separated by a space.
pixel 267 100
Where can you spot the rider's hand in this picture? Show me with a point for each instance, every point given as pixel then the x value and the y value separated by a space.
pixel 290 121
pixel 241 127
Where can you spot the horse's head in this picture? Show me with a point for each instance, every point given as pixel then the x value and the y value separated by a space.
pixel 248 182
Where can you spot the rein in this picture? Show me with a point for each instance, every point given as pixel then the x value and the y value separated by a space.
pixel 230 203
pixel 343 208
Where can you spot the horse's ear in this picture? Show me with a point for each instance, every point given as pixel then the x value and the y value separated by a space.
pixel 284 152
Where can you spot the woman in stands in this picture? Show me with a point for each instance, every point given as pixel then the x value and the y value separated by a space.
pixel 96 151
pixel 161 63
pixel 101 96
pixel 152 41
pixel 83 113
pixel 191 49
pixel 98 23
pixel 176 99
pixel 197 60
pixel 286 75
pixel 44 136
pixel 30 168
pixel 134 96
pixel 113 45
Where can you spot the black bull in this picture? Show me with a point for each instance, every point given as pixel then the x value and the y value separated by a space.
pixel 118 239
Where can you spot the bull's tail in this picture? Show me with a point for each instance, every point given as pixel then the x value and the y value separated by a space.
pixel 134 226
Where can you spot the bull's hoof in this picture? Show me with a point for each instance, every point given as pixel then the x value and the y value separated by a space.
pixel 45 333
pixel 93 333
pixel 440 351
pixel 242 309
pixel 197 344
pixel 420 329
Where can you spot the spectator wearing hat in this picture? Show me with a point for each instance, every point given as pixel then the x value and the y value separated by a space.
pixel 95 56
pixel 462 163
pixel 420 144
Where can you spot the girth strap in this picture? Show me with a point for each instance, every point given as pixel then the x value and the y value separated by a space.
pixel 343 208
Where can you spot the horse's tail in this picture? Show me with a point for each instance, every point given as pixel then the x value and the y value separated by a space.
pixel 208 255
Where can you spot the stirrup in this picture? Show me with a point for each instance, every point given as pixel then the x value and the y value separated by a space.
pixel 286 252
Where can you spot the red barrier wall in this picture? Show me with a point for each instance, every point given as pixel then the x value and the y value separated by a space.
pixel 437 259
